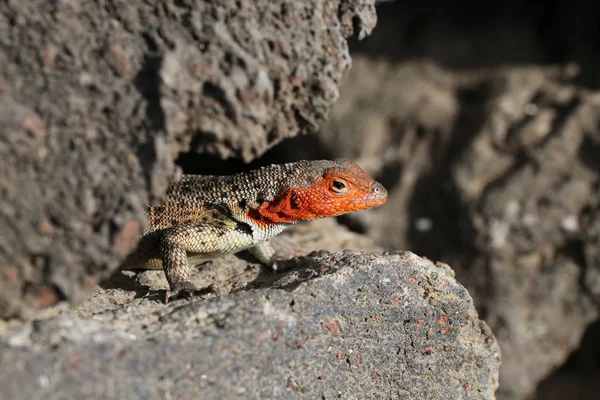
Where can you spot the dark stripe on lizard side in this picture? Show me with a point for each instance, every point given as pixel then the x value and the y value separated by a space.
pixel 244 228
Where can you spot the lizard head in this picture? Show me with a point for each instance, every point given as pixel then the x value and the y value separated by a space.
pixel 340 189
pixel 323 189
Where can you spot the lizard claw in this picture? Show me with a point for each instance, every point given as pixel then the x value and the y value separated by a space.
pixel 278 265
pixel 180 290
pixel 215 290
pixel 187 290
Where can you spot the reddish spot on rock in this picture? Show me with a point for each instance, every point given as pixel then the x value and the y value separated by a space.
pixel 132 158
pixel 468 388
pixel 333 326
pixel 245 97
pixel 90 282
pixel 395 300
pixel 446 330
pixel 259 338
pixel 48 56
pixel 201 70
pixel 203 382
pixel 419 322
pixel 357 358
pixel 412 280
pixel 297 81
pixel 46 227
pixel 374 376
pixel 280 325
pixel 34 125
pixel 47 297
pixel 427 350
pixel 443 320
pixel 10 273
pixel 291 386
pixel 431 331
pixel 121 354
pixel 118 61
pixel 74 361
pixel 339 355
pixel 126 239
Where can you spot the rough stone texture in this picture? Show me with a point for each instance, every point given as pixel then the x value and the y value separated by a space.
pixel 97 97
pixel 347 324
pixel 272 74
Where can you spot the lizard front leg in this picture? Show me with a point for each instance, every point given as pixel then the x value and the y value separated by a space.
pixel 174 246
pixel 199 242
pixel 265 253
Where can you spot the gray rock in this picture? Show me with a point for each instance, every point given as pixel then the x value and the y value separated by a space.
pixel 345 325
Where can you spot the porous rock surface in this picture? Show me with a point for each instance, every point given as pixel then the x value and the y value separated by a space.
pixel 347 324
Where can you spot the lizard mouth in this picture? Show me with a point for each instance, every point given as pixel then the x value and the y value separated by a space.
pixel 376 197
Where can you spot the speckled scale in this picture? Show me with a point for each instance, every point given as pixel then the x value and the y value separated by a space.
pixel 260 184
pixel 204 217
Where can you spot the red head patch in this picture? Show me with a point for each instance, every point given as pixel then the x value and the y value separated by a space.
pixel 335 191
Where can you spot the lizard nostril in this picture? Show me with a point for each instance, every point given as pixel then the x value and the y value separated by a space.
pixel 378 189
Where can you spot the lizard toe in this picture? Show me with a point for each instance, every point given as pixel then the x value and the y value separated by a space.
pixel 183 290
pixel 187 290
pixel 215 290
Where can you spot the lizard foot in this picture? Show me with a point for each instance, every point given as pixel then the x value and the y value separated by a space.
pixel 274 266
pixel 280 264
pixel 187 290
pixel 184 290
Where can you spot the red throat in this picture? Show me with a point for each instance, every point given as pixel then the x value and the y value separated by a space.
pixel 285 208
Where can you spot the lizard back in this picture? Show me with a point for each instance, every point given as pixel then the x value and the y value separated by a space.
pixel 201 198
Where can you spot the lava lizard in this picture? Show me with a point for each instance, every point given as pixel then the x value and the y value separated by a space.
pixel 206 216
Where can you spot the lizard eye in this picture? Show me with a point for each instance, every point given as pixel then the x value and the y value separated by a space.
pixel 338 186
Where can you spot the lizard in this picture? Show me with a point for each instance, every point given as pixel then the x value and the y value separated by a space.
pixel 207 216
